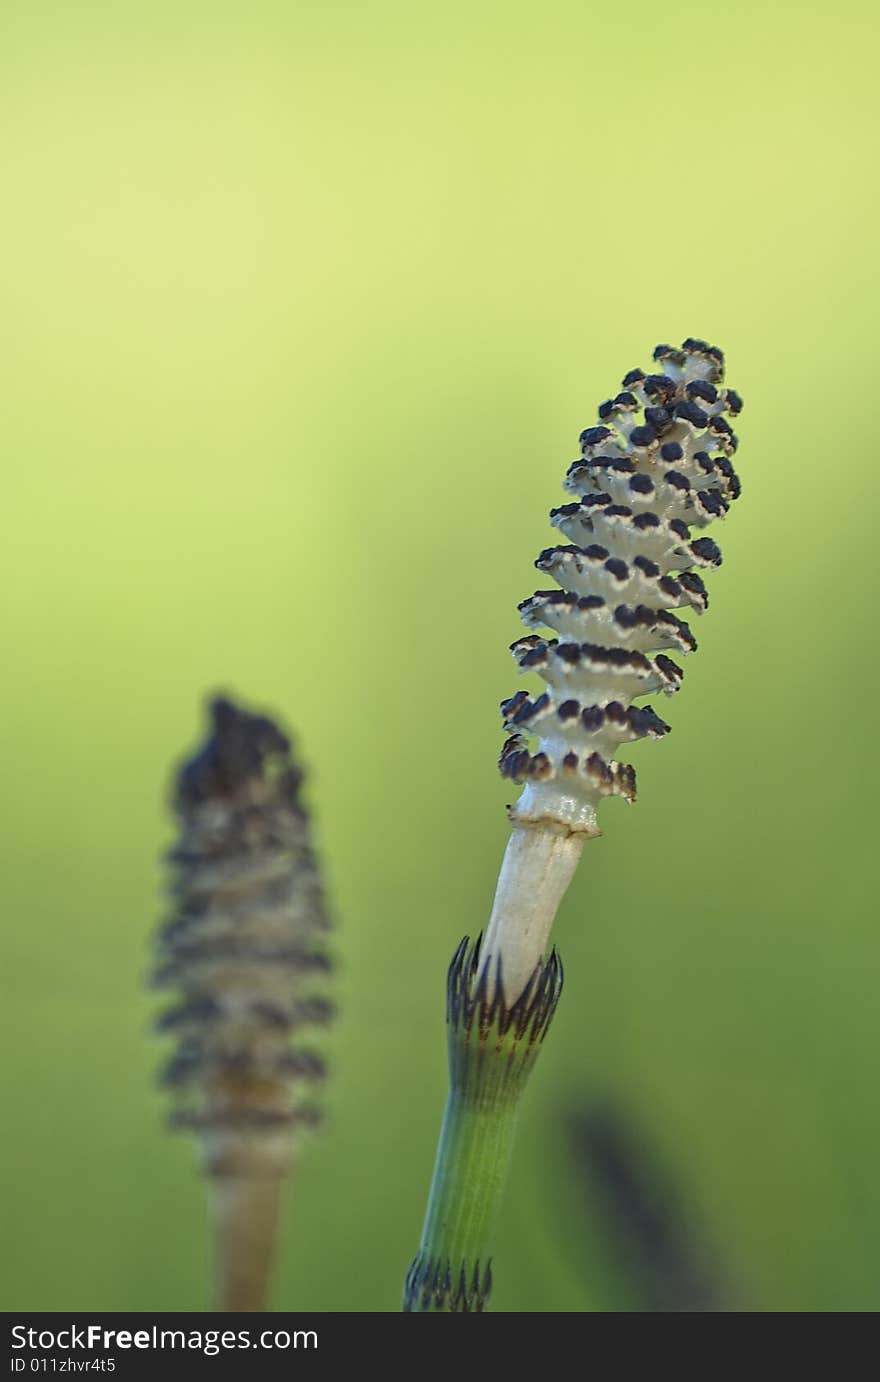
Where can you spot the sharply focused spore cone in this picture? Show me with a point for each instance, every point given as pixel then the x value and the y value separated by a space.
pixel 245 948
pixel 655 468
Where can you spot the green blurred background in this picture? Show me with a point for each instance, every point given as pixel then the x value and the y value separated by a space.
pixel 304 306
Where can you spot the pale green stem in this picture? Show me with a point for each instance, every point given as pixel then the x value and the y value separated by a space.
pixel 469 1174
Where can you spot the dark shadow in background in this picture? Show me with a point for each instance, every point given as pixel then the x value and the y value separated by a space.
pixel 641 1219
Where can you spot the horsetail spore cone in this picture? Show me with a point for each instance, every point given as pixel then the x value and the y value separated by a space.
pixel 245 949
pixel 653 473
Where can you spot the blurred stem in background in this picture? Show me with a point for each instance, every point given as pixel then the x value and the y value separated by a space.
pixel 649 1234
pixel 245 948
pixel 492 1048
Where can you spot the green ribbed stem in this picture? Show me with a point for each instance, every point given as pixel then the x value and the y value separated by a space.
pixel 492 1048
pixel 472 1161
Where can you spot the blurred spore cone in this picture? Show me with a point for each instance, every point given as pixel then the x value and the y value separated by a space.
pixel 245 947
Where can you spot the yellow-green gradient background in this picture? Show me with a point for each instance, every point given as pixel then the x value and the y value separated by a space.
pixel 303 308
